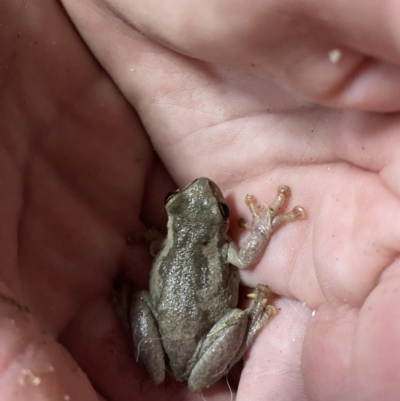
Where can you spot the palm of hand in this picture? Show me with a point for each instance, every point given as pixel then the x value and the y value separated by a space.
pixel 74 168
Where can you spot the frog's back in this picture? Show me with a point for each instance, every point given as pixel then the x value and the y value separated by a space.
pixel 190 291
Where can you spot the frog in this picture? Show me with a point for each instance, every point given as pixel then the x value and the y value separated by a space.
pixel 188 321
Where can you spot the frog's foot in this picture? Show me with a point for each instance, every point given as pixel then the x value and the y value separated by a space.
pixel 258 315
pixel 146 337
pixel 268 214
pixel 264 222
pixel 259 312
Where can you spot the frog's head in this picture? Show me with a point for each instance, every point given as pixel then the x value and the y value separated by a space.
pixel 199 203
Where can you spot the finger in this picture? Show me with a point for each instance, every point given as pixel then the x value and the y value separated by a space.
pixel 346 347
pixel 342 247
pixel 293 42
pixel 32 364
pixel 369 141
pixel 269 371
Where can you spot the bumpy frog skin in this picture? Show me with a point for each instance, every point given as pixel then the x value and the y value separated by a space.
pixel 190 312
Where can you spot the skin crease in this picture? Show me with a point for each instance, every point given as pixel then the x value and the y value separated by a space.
pixel 259 105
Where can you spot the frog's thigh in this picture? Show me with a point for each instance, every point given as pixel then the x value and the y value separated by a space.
pixel 218 350
pixel 146 337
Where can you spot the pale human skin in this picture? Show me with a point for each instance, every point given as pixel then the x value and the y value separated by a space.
pixel 76 159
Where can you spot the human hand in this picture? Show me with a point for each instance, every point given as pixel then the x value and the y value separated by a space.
pixel 242 129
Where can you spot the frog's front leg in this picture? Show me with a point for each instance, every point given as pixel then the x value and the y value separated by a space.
pixel 146 337
pixel 227 341
pixel 265 219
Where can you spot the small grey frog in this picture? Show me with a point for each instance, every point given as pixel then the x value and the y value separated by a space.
pixel 190 312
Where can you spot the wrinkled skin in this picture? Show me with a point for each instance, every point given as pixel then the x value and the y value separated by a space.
pixel 78 175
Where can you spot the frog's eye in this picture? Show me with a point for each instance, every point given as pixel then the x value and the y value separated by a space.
pixel 224 209
pixel 170 195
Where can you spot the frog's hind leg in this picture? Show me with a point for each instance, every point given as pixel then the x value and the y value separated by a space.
pixel 146 337
pixel 213 357
pixel 228 340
